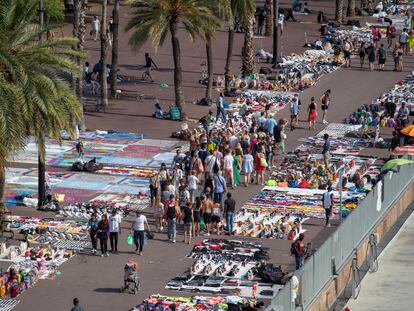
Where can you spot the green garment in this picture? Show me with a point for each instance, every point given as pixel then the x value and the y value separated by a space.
pixel 236 170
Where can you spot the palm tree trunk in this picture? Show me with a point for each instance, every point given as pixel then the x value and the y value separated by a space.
pixel 209 52
pixel 41 190
pixel 115 43
pixel 269 18
pixel 364 4
pixel 350 12
pixel 230 43
pixel 178 75
pixel 104 44
pixel 79 29
pixel 248 53
pixel 339 10
pixel 2 183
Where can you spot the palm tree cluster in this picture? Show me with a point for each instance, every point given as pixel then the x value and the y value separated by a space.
pixel 36 98
pixel 154 20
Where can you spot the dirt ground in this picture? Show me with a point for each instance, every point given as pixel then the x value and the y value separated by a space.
pixel 95 280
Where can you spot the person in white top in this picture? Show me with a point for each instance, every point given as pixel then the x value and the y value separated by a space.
pixel 138 229
pixel 209 163
pixel 192 185
pixel 114 230
pixel 96 24
pixel 327 203
pixel 228 162
pixel 233 140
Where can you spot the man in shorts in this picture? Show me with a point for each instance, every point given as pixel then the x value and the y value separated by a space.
pixel 327 203
pixel 294 112
pixel 325 103
pixel 347 48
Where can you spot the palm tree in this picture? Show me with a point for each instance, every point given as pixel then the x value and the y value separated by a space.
pixel 248 49
pixel 339 4
pixel 115 43
pixel 221 9
pixel 243 9
pixel 104 44
pixel 269 18
pixel 37 69
pixel 350 12
pixel 79 29
pixel 154 19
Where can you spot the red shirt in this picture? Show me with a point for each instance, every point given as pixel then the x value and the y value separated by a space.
pixel 300 247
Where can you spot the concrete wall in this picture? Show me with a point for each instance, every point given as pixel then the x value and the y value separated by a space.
pixel 335 287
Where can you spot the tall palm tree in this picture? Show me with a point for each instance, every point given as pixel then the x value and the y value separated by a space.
pixel 269 18
pixel 339 4
pixel 36 69
pixel 221 9
pixel 243 9
pixel 248 48
pixel 79 30
pixel 115 43
pixel 104 44
pixel 155 19
pixel 350 12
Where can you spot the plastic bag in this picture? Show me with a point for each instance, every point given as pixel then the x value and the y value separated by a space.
pixel 130 239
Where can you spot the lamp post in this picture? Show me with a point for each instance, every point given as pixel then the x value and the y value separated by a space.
pixel 275 31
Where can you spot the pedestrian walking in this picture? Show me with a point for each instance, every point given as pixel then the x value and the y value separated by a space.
pixel 325 101
pixel 371 57
pixel 93 227
pixel 80 149
pixel 149 64
pixel 220 187
pixel 197 216
pixel 220 108
pixel 228 212
pixel 390 33
pixel 96 25
pixel 247 167
pixel 312 114
pixel 326 151
pixel 403 40
pixel 298 250
pixel 76 305
pixel 154 185
pixel 172 213
pixel 362 53
pixel 114 230
pixel 294 112
pixel 382 57
pixel 102 232
pixel 192 185
pixel 347 49
pixel 188 219
pixel 327 204
pixel 207 211
pixel 228 163
pixel 138 230
pixel 159 214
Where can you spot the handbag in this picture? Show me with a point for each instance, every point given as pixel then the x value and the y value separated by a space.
pixel 263 162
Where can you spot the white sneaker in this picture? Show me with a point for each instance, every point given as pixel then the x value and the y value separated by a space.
pixel 173 241
pixel 102 255
pixel 325 122
pixel 93 251
pixel 106 254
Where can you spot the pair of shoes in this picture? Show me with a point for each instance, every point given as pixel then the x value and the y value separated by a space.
pixel 93 251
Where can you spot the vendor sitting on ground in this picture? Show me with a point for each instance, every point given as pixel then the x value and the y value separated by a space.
pixel 159 114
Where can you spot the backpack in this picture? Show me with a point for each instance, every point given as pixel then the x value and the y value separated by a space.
pixel 171 213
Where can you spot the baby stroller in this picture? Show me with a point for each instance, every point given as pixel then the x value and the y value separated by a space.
pixel 131 279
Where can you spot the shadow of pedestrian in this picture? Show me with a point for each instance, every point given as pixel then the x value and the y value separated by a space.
pixel 107 290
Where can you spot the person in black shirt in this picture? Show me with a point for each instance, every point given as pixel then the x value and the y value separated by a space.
pixel 148 66
pixel 229 210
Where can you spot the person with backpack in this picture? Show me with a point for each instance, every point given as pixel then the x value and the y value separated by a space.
pixel 327 204
pixel 382 57
pixel 171 214
pixel 298 250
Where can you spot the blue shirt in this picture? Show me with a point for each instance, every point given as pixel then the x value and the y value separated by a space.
pixel 326 146
pixel 270 124
pixel 219 184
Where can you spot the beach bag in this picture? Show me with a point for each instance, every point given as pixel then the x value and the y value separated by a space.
pixel 130 239
pixel 293 249
pixel 263 162
pixel 58 197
